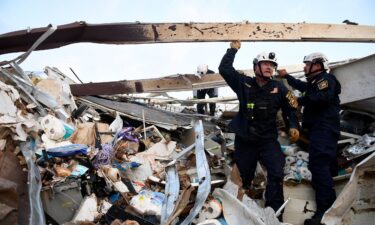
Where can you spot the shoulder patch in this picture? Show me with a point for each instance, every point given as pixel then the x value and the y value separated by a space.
pixel 292 99
pixel 323 84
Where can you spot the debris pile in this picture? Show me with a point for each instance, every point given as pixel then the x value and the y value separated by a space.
pixel 98 160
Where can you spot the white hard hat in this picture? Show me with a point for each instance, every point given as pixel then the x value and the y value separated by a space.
pixel 317 57
pixel 265 57
pixel 202 69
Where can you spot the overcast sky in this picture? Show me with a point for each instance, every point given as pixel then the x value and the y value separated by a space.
pixel 97 62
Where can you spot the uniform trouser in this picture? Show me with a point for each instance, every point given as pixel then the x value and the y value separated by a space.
pixel 201 94
pixel 268 152
pixel 323 164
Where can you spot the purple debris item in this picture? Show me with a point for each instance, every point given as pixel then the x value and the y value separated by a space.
pixel 104 156
pixel 127 133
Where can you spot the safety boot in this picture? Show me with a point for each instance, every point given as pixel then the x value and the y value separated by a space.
pixel 315 220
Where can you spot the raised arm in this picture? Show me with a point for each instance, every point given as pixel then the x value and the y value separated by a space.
pixel 226 69
pixel 295 83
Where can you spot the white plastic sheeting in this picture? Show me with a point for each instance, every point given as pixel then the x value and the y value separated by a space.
pixel 357 195
pixel 245 212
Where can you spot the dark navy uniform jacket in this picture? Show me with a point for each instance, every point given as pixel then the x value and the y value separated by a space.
pixel 256 118
pixel 320 98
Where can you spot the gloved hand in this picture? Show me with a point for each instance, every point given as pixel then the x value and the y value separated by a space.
pixel 235 44
pixel 293 135
pixel 282 73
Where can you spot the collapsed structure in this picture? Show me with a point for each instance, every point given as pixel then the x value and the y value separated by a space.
pixel 82 152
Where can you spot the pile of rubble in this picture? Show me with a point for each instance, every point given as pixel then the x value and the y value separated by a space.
pixel 67 160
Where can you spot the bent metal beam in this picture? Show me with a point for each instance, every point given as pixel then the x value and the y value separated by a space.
pixel 143 33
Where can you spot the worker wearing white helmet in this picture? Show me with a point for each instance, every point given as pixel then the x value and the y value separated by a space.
pixel 321 121
pixel 260 98
pixel 201 94
pixel 316 58
pixel 264 58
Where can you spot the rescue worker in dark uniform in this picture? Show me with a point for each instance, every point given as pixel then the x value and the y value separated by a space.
pixel 201 94
pixel 260 98
pixel 321 106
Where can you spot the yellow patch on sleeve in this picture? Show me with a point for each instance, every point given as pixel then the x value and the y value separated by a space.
pixel 323 84
pixel 292 99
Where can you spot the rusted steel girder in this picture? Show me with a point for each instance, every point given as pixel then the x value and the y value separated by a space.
pixel 141 33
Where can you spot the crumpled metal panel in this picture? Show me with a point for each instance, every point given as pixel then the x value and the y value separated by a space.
pixel 172 189
pixel 161 118
pixel 35 184
pixel 203 172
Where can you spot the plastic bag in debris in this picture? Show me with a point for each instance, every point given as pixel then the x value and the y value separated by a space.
pixel 69 130
pixel 117 124
pixel 67 150
pixel 126 133
pixel 148 202
pixel 53 127
pixel 34 183
pixel 362 146
pixel 126 165
pixel 104 157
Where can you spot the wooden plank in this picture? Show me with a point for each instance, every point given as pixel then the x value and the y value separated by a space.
pixel 141 33
pixel 103 88
pixel 180 82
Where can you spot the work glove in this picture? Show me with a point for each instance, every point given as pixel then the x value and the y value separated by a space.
pixel 293 135
pixel 282 73
pixel 235 44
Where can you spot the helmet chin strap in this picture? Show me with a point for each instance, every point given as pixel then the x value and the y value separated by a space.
pixel 310 73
